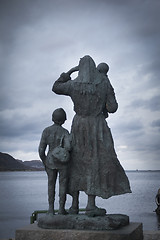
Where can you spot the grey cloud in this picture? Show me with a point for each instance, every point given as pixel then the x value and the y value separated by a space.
pixel 128 133
pixel 139 141
pixel 129 126
pixel 10 102
pixel 144 17
pixel 13 14
pixel 154 66
pixel 18 125
pixel 156 123
pixel 152 69
pixel 153 104
pixel 148 146
pixel 40 39
pixel 20 144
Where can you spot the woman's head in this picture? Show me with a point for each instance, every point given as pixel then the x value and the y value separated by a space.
pixel 86 61
pixel 87 70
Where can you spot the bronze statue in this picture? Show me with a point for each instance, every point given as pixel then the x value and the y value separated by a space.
pixel 56 161
pixel 93 167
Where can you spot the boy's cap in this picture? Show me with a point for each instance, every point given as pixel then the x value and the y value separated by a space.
pixel 59 115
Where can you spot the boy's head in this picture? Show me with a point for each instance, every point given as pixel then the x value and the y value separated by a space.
pixel 103 68
pixel 59 116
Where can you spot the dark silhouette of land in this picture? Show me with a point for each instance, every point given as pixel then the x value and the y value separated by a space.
pixel 9 163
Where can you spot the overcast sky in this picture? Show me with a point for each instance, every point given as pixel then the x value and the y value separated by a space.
pixel 41 39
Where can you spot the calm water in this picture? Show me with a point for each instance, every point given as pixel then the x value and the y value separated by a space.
pixel 21 193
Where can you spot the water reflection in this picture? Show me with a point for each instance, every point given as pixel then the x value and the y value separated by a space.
pixel 21 193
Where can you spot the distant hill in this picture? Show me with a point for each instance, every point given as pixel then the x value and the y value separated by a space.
pixel 9 163
pixel 33 163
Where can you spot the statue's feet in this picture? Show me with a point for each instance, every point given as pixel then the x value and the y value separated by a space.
pixel 73 210
pixel 51 212
pixel 62 211
pixel 95 212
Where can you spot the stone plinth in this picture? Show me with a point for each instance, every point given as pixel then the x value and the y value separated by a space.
pixel 133 231
pixel 151 235
pixel 83 222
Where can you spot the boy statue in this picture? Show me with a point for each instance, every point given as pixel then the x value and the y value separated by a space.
pixel 56 137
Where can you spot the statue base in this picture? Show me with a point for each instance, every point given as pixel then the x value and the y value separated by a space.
pixel 83 222
pixel 133 231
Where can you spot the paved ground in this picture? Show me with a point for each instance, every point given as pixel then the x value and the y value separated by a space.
pixel 151 235
pixel 148 235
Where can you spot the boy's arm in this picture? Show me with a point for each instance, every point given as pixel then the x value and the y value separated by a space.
pixel 42 147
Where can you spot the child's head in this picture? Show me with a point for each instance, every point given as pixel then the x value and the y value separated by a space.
pixel 59 116
pixel 103 68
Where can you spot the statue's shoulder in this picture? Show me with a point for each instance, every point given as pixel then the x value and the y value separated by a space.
pixel 48 129
pixel 65 130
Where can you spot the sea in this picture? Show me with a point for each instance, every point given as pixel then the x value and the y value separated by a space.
pixel 22 193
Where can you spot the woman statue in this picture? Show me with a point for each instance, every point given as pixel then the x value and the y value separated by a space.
pixel 94 167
